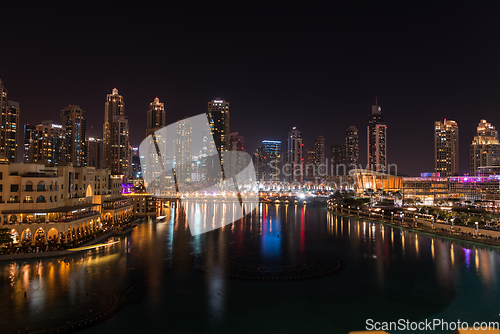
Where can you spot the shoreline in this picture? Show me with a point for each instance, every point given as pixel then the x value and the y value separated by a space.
pixel 422 228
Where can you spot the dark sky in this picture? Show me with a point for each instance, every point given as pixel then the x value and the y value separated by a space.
pixel 317 67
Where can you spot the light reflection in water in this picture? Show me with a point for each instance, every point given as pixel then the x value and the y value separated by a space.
pixel 390 268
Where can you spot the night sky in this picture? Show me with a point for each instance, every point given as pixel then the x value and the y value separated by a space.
pixel 282 65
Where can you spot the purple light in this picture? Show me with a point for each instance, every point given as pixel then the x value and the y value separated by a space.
pixel 127 188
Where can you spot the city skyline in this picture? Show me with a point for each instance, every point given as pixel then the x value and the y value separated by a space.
pixel 464 169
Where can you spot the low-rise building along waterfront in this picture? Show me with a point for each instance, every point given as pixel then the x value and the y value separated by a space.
pixel 57 204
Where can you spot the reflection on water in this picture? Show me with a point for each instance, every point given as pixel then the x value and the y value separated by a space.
pixel 386 273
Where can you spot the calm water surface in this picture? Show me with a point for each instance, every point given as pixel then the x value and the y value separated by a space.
pixel 160 278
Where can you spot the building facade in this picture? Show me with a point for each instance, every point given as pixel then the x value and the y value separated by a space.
pixel 156 117
pixel 446 148
pixel 377 140
pixel 310 164
pixel 260 163
pixel 338 159
pixel 319 157
pixel 10 131
pixel 116 135
pixel 430 187
pixel 271 151
pixel 43 204
pixel 48 144
pixel 75 123
pixel 351 146
pixel 294 159
pixel 218 118
pixel 95 152
pixel 29 131
pixel 9 126
pixel 485 148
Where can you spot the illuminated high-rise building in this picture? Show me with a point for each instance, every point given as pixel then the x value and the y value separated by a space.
pixel 3 96
pixel 272 156
pixel 218 118
pixel 156 117
pixel 237 163
pixel 377 141
pixel 116 135
pixel 9 126
pixel 10 131
pixel 260 163
pixel 310 164
pixel 338 154
pixel 446 147
pixel 485 148
pixel 294 157
pixel 136 162
pixel 3 114
pixel 73 119
pixel 183 152
pixel 351 146
pixel 29 130
pixel 48 144
pixel 95 152
pixel 319 157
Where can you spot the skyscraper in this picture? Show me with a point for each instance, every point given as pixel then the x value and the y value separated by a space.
pixel 237 163
pixel 73 119
pixel 260 163
pixel 319 157
pixel 136 162
pixel 29 131
pixel 272 156
pixel 485 148
pixel 116 135
pixel 377 149
pixel 3 116
pixel 351 146
pixel 446 147
pixel 10 131
pixel 218 118
pixel 95 152
pixel 9 126
pixel 338 154
pixel 183 152
pixel 48 144
pixel 294 156
pixel 310 164
pixel 156 117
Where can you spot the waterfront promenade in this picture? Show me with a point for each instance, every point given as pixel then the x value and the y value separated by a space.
pixel 483 236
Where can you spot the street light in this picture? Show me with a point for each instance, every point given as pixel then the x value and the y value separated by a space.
pixel 477 227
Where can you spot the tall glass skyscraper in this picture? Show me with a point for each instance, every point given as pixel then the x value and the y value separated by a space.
pixel 446 147
pixel 218 118
pixel 351 146
pixel 73 119
pixel 294 157
pixel 377 145
pixel 156 117
pixel 9 126
pixel 116 135
pixel 485 148
pixel 272 153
